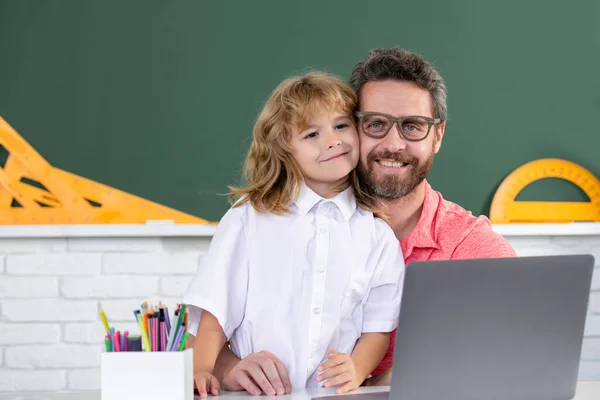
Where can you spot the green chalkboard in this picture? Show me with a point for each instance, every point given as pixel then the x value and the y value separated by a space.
pixel 158 98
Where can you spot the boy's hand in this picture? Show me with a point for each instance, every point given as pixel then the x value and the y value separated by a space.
pixel 206 382
pixel 341 372
pixel 258 373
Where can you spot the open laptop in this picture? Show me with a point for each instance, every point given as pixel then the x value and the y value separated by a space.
pixel 488 329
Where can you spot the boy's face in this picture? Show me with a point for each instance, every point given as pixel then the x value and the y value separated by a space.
pixel 326 151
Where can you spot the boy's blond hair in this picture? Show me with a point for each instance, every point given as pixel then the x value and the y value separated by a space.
pixel 273 177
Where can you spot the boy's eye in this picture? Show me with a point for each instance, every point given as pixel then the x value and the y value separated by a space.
pixel 341 126
pixel 311 135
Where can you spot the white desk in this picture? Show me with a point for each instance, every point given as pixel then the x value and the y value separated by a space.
pixel 585 391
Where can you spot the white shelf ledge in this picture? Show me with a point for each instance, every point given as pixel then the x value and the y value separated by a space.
pixel 158 229
pixel 166 229
pixel 567 229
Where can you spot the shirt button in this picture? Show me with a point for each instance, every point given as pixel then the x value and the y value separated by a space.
pixel 316 311
pixel 321 269
pixel 323 230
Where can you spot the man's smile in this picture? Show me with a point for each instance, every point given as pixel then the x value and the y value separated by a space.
pixel 391 164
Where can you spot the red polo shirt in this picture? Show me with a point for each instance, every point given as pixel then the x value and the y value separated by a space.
pixel 446 231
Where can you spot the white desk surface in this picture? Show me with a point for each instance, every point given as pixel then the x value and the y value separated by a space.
pixel 585 391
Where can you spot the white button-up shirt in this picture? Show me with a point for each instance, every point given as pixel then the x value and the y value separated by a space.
pixel 300 284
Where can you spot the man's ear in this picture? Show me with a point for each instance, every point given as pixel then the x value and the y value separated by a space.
pixel 439 135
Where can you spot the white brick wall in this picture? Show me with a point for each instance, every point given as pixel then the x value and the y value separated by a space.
pixel 84 379
pixel 32 246
pixel 52 356
pixel 50 334
pixel 48 310
pixel 19 287
pixel 109 287
pixel 115 245
pixel 595 300
pixel 61 264
pixel 40 380
pixel 29 333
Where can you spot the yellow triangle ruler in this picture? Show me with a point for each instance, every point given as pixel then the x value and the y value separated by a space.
pixel 34 192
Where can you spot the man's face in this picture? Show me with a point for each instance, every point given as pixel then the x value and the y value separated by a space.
pixel 391 166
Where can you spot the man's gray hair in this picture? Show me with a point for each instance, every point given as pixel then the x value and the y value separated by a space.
pixel 397 64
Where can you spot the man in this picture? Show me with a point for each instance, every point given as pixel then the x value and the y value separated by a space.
pixel 396 156
pixel 401 120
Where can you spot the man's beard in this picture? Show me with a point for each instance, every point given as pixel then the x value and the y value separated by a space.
pixel 389 186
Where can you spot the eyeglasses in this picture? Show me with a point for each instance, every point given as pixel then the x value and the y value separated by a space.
pixel 413 128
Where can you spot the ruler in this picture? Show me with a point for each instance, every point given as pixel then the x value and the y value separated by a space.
pixel 505 209
pixel 34 192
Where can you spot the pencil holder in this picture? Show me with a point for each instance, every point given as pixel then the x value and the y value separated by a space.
pixel 156 375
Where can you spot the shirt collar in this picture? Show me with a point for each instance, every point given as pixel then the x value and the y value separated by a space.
pixel 345 201
pixel 423 234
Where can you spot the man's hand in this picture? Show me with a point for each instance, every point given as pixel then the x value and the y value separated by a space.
pixel 262 369
pixel 382 379
pixel 206 382
pixel 341 372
